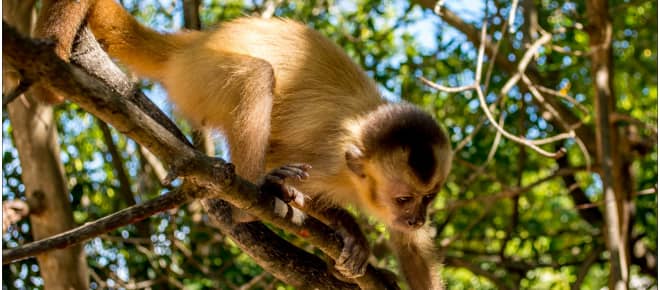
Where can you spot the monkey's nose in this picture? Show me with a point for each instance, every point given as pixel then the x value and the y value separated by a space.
pixel 415 223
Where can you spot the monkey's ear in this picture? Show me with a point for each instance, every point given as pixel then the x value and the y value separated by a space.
pixel 355 160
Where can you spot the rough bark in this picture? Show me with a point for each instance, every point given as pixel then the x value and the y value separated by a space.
pixel 37 61
pixel 251 236
pixel 35 139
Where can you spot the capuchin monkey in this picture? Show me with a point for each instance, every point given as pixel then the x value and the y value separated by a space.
pixel 299 117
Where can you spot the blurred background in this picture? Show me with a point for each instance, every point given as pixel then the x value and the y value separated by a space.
pixel 508 218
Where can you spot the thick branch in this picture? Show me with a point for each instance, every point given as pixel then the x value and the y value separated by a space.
pixel 89 55
pixel 252 236
pixel 37 61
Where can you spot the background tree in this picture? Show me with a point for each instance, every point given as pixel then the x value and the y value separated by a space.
pixel 43 181
pixel 509 218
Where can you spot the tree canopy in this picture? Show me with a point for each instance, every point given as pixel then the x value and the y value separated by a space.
pixel 508 217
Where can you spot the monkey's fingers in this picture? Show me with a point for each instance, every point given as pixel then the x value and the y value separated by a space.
pixel 354 257
pixel 275 182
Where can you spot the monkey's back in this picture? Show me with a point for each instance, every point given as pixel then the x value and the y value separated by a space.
pixel 319 84
pixel 303 60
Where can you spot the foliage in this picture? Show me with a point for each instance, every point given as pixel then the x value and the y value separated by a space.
pixel 536 239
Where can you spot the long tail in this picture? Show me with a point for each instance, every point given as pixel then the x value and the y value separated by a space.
pixel 142 49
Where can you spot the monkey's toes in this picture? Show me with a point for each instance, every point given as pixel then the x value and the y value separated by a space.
pixel 354 257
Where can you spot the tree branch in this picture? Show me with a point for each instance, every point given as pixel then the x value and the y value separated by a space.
pixel 592 215
pixel 125 191
pixel 120 172
pixel 484 105
pixel 103 225
pixel 583 132
pixel 38 61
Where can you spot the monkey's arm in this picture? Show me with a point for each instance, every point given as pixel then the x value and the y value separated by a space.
pixel 415 253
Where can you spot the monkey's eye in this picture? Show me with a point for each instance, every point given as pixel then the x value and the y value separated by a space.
pixel 428 197
pixel 403 200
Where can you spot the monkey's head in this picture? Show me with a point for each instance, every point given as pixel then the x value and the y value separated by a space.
pixel 399 158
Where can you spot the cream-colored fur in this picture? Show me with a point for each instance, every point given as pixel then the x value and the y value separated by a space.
pixel 280 92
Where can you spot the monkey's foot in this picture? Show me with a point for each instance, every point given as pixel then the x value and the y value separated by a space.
pixel 275 182
pixel 354 257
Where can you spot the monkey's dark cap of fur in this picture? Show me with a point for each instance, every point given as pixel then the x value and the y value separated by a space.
pixel 405 126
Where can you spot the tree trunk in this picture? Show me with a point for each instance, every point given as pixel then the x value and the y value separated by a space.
pixel 35 138
pixel 617 181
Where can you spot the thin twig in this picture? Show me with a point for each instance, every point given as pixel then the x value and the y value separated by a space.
pixel 466 140
pixel 652 190
pixel 526 142
pixel 512 15
pixel 156 165
pixel 103 225
pixel 589 261
pixel 254 281
pixel 513 191
pixel 524 62
pixel 552 139
pixel 563 96
pixel 619 117
pixel 576 53
pixel 647 191
pixel 482 99
pixel 496 142
pixel 480 55
pixel 491 65
pixel 584 134
pixel 444 88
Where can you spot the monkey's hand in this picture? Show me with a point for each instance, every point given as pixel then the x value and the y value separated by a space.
pixel 354 257
pixel 275 182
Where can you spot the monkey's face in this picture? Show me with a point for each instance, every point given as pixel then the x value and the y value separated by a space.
pixel 407 204
pixel 400 184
